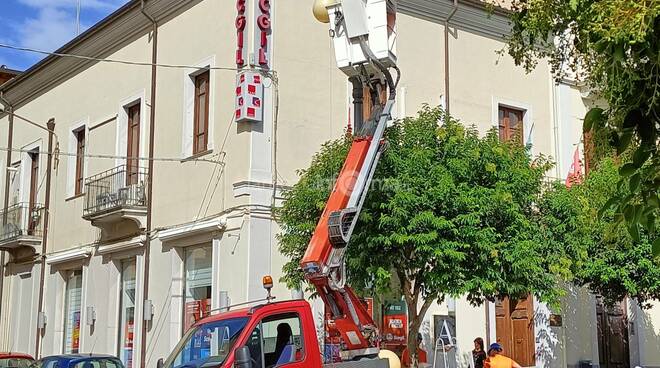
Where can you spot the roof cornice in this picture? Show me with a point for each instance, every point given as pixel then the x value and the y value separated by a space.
pixel 116 30
pixel 472 15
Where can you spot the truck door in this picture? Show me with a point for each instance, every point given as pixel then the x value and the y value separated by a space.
pixel 277 341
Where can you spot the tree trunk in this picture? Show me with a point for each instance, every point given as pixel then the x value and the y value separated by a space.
pixel 414 321
pixel 415 316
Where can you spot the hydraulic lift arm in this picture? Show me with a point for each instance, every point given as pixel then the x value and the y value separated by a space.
pixel 353 29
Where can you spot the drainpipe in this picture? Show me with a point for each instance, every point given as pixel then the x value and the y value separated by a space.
pixel 10 137
pixel 358 96
pixel 150 178
pixel 451 15
pixel 42 273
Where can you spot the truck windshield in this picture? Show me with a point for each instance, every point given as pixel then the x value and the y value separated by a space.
pixel 206 345
pixel 15 363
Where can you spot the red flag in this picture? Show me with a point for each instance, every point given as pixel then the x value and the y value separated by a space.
pixel 575 173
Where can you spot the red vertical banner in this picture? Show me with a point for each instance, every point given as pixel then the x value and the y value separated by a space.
pixel 241 32
pixel 262 33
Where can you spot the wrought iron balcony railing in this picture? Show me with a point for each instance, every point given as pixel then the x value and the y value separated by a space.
pixel 23 220
pixel 118 188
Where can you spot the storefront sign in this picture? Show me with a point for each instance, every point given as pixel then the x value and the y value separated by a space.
pixel 395 324
pixel 249 97
pixel 241 31
pixel 262 33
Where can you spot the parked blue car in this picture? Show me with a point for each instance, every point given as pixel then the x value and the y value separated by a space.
pixel 78 361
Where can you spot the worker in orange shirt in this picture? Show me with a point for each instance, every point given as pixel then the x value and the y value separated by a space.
pixel 497 360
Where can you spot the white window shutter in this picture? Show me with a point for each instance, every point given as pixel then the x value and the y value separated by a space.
pixel 188 115
pixel 122 136
pixel 15 185
pixel 71 167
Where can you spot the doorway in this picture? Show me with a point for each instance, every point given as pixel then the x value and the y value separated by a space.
pixel 515 329
pixel 613 344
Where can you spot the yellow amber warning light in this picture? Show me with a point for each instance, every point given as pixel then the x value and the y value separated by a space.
pixel 267 282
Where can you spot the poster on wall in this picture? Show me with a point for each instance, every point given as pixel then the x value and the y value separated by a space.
pixel 75 339
pixel 128 345
pixel 196 310
pixel 395 325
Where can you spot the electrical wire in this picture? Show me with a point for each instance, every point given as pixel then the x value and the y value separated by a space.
pixel 128 62
pixel 116 61
pixel 274 83
pixel 102 156
pixel 208 185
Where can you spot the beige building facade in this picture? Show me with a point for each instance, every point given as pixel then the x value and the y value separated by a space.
pixel 204 234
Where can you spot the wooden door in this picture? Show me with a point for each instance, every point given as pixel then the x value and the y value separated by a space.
pixel 613 347
pixel 515 329
pixel 201 120
pixel 80 160
pixel 133 145
pixel 34 189
pixel 511 124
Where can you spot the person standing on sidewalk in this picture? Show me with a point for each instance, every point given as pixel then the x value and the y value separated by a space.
pixel 479 354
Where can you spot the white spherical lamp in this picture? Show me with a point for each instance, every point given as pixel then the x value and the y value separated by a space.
pixel 320 11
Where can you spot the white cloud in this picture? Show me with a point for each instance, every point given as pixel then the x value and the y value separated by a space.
pixel 54 22
pixel 50 29
pixel 86 4
pixel 50 24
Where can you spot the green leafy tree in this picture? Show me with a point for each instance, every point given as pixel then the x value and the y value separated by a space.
pixel 612 263
pixel 612 45
pixel 448 214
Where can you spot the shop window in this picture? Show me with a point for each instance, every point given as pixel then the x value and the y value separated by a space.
pixel 127 313
pixel 277 341
pixel 510 124
pixel 198 270
pixel 72 307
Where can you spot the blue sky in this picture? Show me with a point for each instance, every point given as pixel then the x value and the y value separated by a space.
pixel 45 25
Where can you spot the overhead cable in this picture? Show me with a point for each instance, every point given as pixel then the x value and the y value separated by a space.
pixel 102 156
pixel 118 61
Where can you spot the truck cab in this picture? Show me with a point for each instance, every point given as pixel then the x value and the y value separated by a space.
pixel 278 334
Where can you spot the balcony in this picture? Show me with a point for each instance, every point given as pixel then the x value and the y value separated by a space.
pixel 23 228
pixel 116 195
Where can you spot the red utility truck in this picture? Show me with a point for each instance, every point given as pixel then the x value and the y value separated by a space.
pixel 278 334
pixel 284 334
